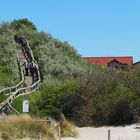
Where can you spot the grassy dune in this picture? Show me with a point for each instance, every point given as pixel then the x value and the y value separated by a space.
pixel 24 126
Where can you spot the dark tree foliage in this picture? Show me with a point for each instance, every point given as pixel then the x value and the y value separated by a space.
pixel 20 23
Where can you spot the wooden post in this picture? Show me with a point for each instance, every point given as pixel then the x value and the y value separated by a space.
pixel 40 136
pixel 109 138
pixel 49 123
pixel 59 132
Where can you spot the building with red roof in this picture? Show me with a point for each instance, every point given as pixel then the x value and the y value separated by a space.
pixel 116 62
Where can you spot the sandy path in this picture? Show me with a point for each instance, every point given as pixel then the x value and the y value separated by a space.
pixel 117 133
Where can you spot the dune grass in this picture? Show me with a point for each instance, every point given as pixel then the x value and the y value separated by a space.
pixel 24 126
pixel 67 128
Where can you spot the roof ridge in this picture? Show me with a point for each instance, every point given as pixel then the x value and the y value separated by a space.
pixel 108 57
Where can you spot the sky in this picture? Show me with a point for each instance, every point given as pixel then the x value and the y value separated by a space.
pixel 92 27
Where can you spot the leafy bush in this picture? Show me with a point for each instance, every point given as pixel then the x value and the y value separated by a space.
pixel 54 98
pixel 17 24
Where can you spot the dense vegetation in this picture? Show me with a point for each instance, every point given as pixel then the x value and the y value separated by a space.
pixel 9 73
pixel 85 93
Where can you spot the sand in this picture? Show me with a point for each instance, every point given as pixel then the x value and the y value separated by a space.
pixel 101 133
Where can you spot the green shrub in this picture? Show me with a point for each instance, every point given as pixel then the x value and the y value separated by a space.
pixel 9 70
pixel 20 23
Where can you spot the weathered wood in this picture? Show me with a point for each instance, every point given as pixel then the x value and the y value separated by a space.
pixel 109 137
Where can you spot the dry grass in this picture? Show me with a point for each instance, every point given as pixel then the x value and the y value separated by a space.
pixel 67 128
pixel 16 127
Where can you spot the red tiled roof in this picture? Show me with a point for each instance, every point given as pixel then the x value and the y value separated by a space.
pixel 103 61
